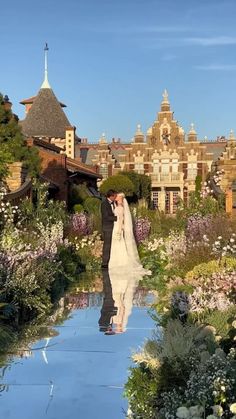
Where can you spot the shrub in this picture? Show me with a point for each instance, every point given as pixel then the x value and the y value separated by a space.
pixel 29 285
pixel 142 185
pixel 78 208
pixel 119 183
pixel 92 205
pixel 78 194
pixel 209 268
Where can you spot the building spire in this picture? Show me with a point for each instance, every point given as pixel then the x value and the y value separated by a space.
pixel 165 97
pixel 165 104
pixel 46 84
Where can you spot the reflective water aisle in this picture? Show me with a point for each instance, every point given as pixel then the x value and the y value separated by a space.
pixel 80 372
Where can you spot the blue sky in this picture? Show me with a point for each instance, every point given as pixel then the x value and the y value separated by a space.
pixel 110 61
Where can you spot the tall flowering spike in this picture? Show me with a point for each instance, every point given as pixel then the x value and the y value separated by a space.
pixel 142 229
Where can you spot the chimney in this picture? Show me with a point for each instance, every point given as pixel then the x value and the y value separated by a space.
pixel 70 142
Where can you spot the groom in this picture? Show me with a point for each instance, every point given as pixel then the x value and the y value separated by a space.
pixel 108 218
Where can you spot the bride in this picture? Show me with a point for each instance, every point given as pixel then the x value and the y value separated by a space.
pixel 124 253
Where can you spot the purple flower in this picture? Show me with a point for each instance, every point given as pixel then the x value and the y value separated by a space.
pixel 197 226
pixel 80 224
pixel 142 228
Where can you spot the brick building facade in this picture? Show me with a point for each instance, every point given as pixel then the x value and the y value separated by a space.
pixel 165 153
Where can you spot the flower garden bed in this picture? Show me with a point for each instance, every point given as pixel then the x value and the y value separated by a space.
pixel 42 251
pixel 188 369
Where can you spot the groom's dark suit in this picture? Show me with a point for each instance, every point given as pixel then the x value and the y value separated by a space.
pixel 108 307
pixel 108 219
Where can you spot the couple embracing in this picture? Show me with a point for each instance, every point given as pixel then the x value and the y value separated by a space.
pixel 119 246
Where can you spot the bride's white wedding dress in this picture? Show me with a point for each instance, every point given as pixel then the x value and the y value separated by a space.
pixel 124 254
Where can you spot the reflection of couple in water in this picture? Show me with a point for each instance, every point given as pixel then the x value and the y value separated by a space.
pixel 121 265
pixel 117 302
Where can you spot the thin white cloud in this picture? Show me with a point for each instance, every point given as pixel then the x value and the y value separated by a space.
pixel 211 41
pixel 168 57
pixel 217 67
pixel 162 29
pixel 139 29
pixel 187 42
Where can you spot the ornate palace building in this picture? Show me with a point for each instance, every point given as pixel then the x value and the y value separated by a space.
pixel 166 154
pixel 170 157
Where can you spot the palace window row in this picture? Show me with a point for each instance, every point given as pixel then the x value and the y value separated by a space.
pixel 171 201
pixel 165 166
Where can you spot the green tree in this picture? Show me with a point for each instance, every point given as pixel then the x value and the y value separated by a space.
pixel 135 179
pixel 119 183
pixel 145 187
pixel 142 185
pixel 13 145
pixel 198 186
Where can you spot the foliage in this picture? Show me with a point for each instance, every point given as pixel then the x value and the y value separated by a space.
pixel 186 368
pixel 78 208
pixel 70 262
pixel 92 205
pixel 89 249
pixel 141 392
pixel 221 321
pixel 161 224
pixel 119 183
pixel 13 145
pixel 207 269
pixel 41 210
pixel 198 186
pixel 36 261
pixel 142 185
pixel 200 205
pixel 191 362
pixel 199 227
pixel 78 194
pixel 28 287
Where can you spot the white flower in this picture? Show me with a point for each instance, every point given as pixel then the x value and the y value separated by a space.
pixel 217 410
pixel 182 412
pixel 233 408
pixel 232 240
pixel 196 411
pixel 219 237
pixel 234 324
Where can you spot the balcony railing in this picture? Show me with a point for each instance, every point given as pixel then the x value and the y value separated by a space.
pixel 167 177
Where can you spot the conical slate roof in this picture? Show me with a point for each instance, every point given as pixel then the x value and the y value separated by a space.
pixel 45 117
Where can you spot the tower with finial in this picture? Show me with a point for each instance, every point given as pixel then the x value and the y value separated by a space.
pixel 45 119
pixel 192 135
pixel 103 139
pixel 46 84
pixel 139 136
pixel 232 136
pixel 165 104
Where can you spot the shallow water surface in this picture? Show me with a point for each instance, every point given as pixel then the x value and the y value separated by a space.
pixel 80 372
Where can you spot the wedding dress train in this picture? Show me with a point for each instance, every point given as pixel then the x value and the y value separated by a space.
pixel 124 254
